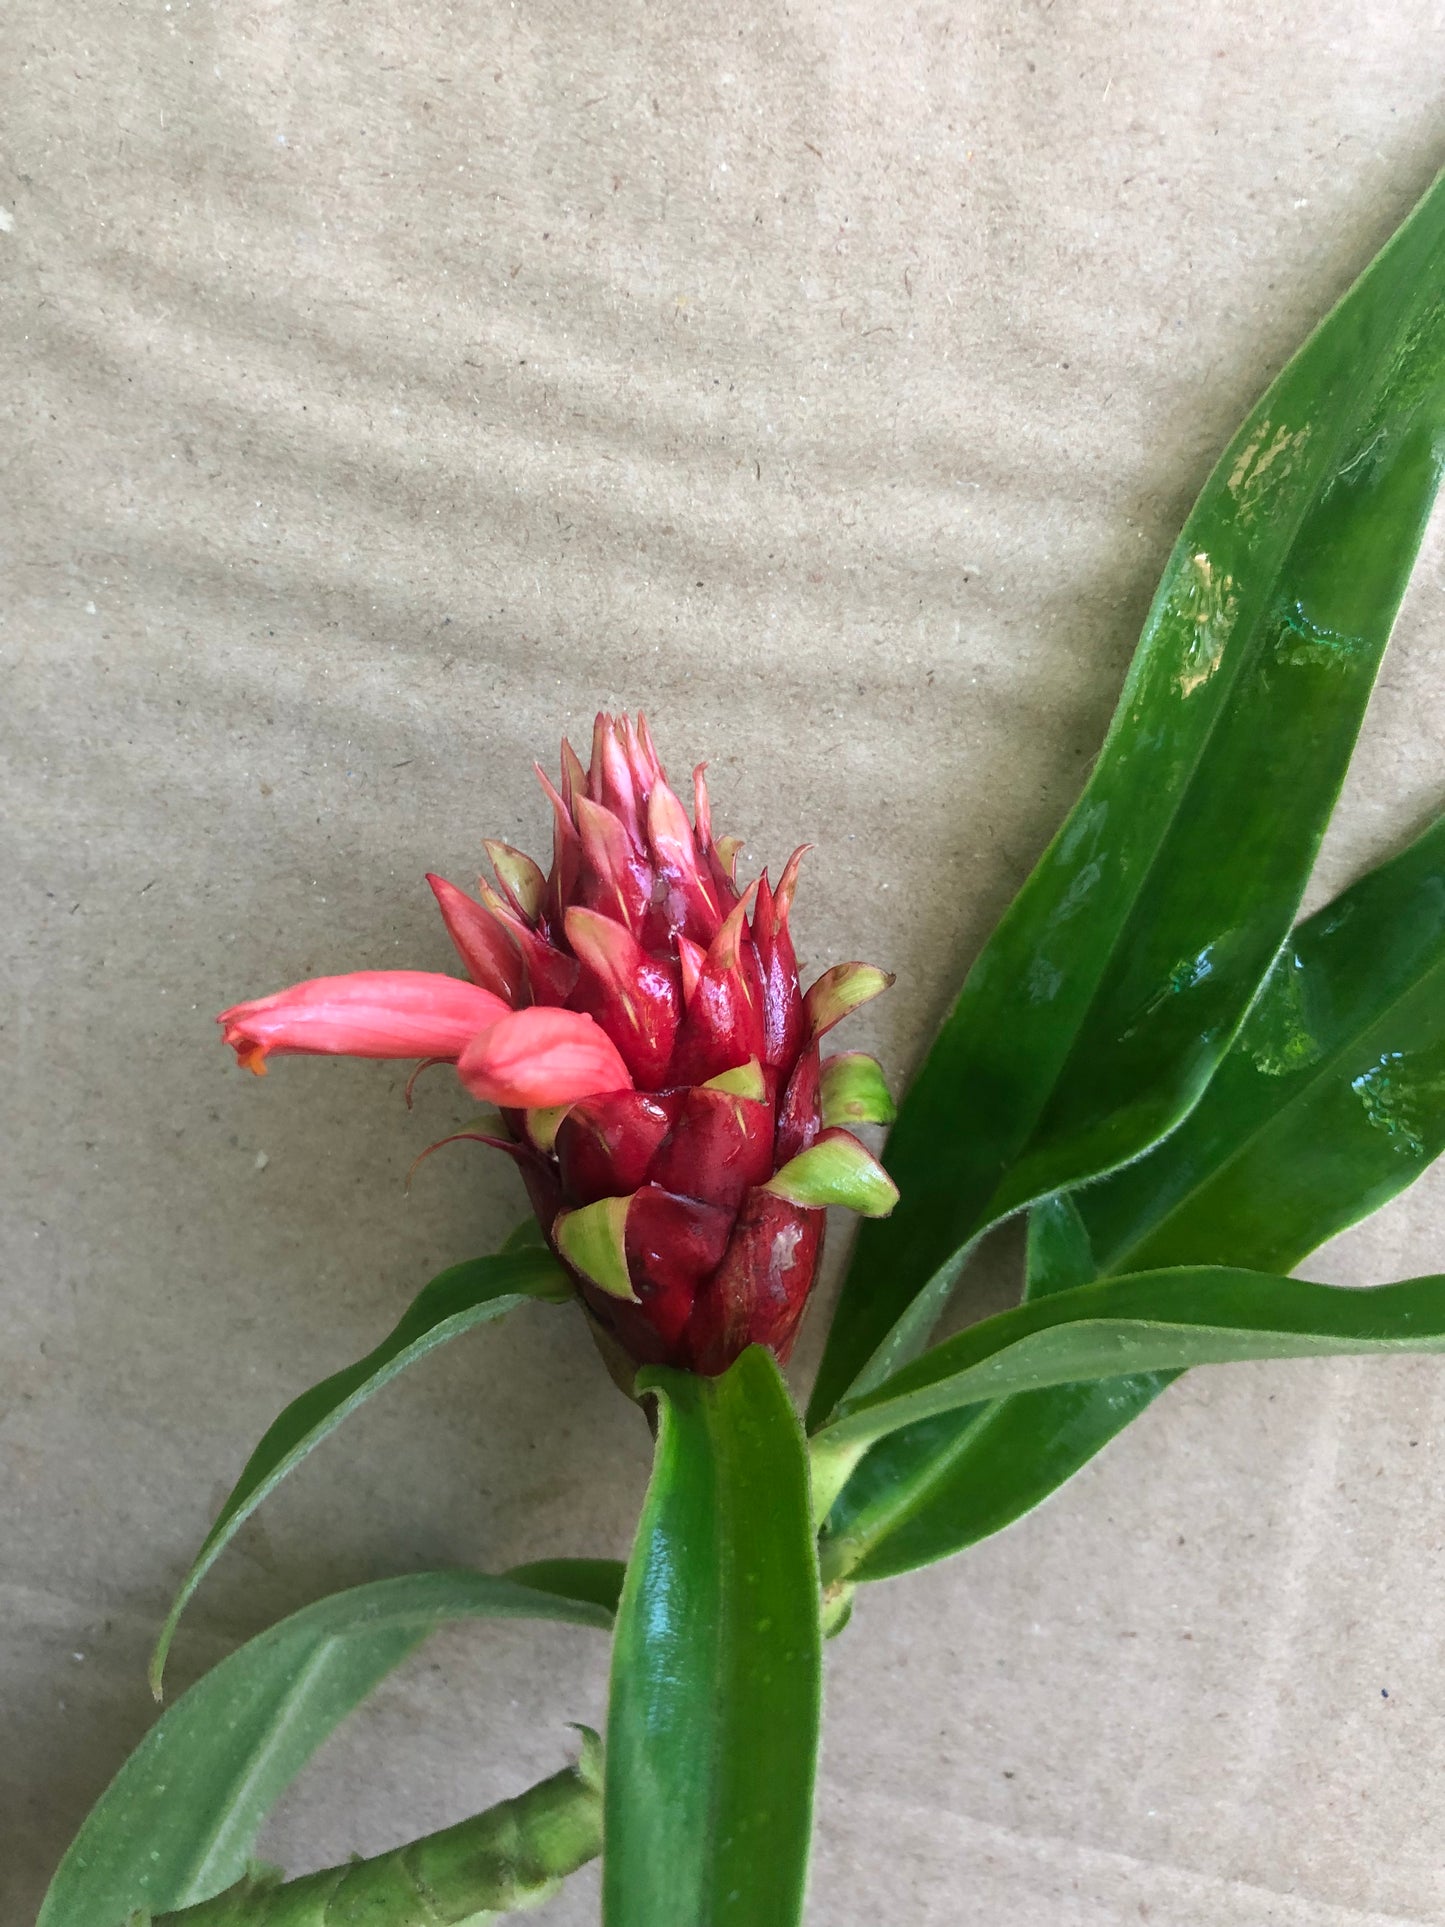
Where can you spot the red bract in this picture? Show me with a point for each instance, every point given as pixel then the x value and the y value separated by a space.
pixel 639 1021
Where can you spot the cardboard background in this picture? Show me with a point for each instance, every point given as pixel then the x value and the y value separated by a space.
pixel 390 385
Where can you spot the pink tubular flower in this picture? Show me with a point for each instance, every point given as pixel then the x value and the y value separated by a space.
pixel 639 1021
pixel 538 1057
pixel 371 1013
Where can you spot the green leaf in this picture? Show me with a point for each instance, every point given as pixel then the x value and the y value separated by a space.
pixel 179 1821
pixel 1331 1100
pixel 596 1580
pixel 1059 1255
pixel 1102 1004
pixel 1148 1322
pixel 454 1301
pixel 931 1489
pixel 713 1727
pixel 526 1236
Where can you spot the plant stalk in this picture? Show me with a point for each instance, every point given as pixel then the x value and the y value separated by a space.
pixel 513 1856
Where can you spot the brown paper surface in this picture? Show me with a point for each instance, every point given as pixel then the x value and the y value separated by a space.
pixel 390 385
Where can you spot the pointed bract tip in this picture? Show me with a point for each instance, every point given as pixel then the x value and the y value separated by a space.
pixel 601 730
pixel 563 803
pixel 670 833
pixel 836 1169
pixel 574 777
pixel 589 1764
pixel 746 1080
pixel 606 846
pixel 492 958
pixel 839 991
pixel 593 1240
pixel 604 944
pixel 547 972
pixel 788 883
pixel 691 956
pixel 611 780
pixel 701 807
pixel 641 758
pixel 727 850
pixel 519 877
pixel 725 950
pixel 644 736
pixel 853 1091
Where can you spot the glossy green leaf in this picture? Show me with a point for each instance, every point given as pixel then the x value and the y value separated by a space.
pixel 713 1727
pixel 929 1490
pixel 1331 1100
pixel 454 1301
pixel 1058 1255
pixel 1105 999
pixel 179 1820
pixel 1150 1321
pixel 932 1489
pixel 596 1581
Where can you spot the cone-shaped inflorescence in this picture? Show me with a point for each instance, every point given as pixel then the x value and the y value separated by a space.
pixel 658 1070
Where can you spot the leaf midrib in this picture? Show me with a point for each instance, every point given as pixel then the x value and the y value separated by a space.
pixel 224 1817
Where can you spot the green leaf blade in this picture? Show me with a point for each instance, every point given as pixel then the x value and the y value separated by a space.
pixel 455 1300
pixel 713 1729
pixel 933 1488
pixel 1154 1321
pixel 597 1582
pixel 1331 1101
pixel 1059 1254
pixel 1098 1011
pixel 178 1822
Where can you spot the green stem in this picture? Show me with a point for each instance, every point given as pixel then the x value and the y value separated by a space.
pixel 512 1856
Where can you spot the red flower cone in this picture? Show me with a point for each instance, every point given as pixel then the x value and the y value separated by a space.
pixel 639 1022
